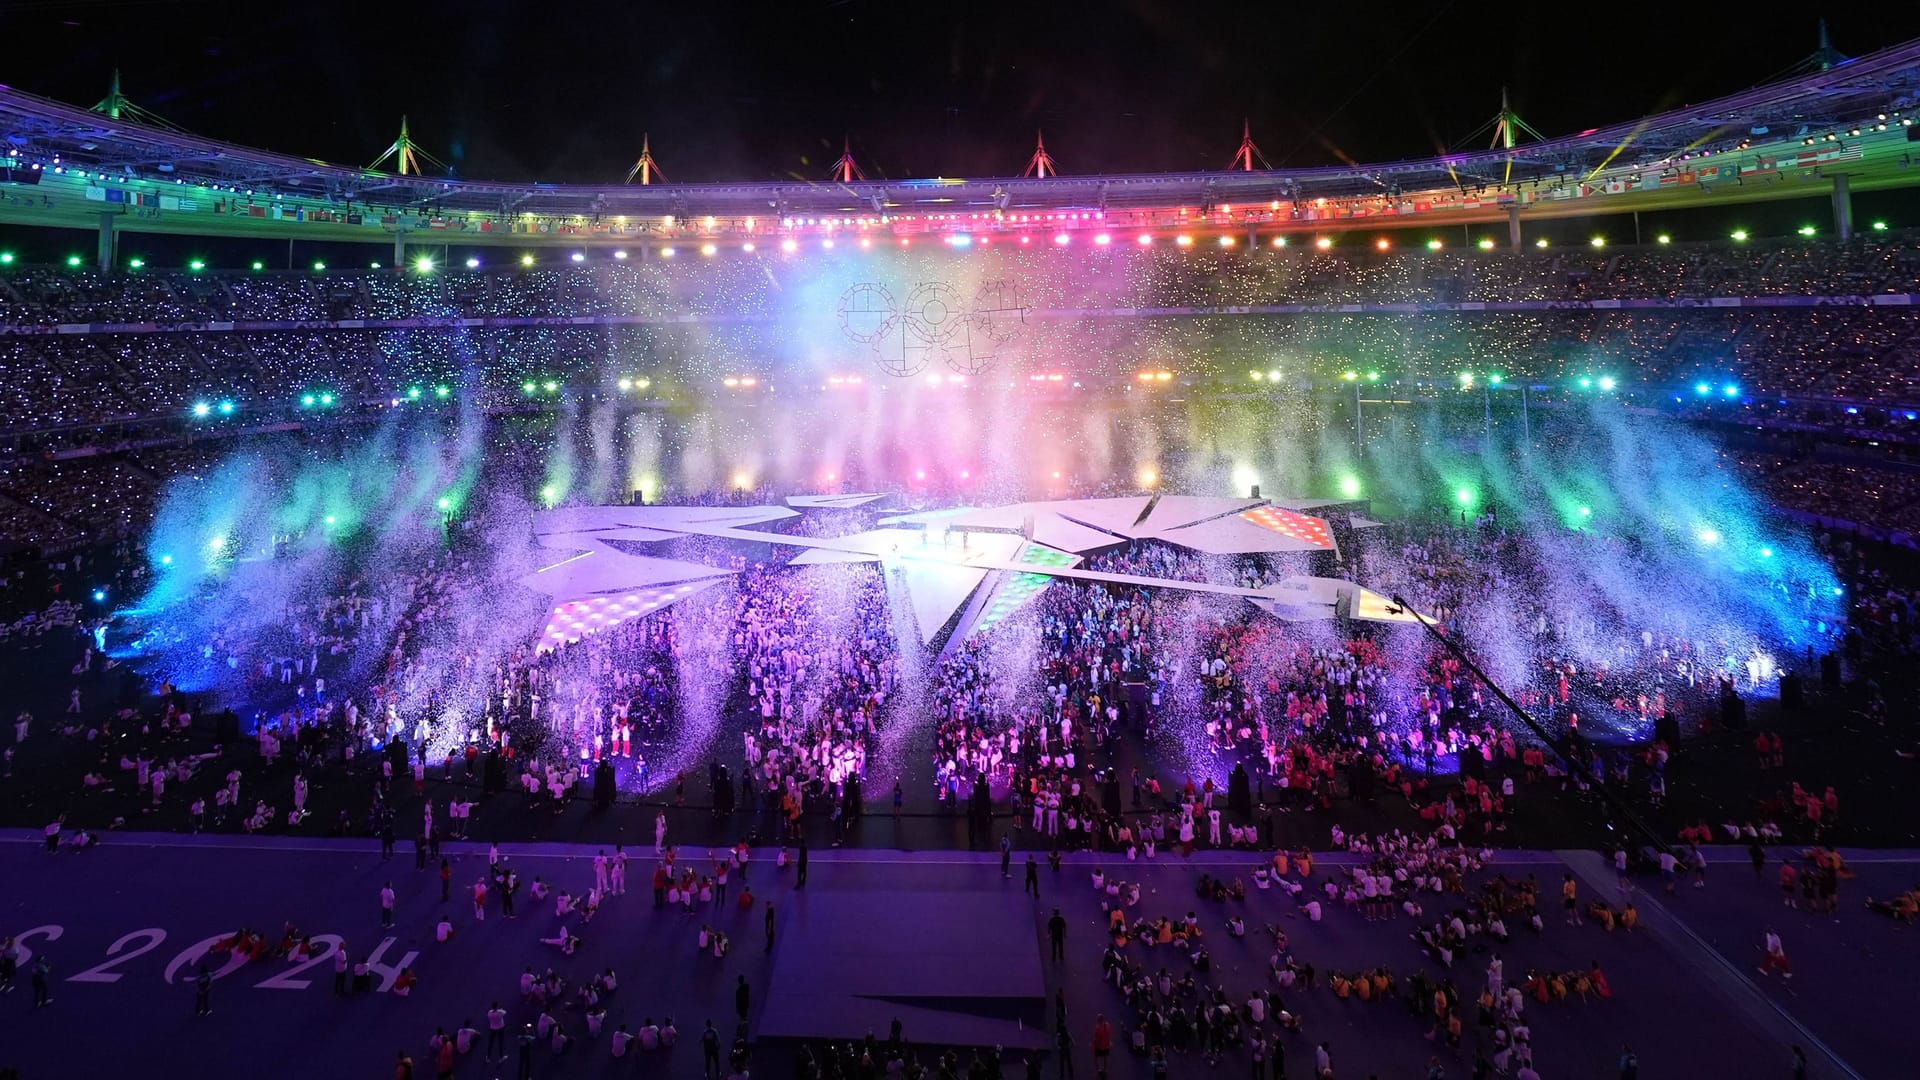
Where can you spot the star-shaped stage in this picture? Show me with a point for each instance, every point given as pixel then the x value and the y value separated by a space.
pixel 979 563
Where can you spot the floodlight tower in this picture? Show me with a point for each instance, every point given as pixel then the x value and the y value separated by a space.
pixel 846 170
pixel 1248 153
pixel 1041 163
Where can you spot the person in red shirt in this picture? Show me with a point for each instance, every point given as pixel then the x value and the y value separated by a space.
pixel 1102 1044
pixel 1789 877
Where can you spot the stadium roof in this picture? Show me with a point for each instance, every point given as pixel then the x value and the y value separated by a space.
pixel 1853 118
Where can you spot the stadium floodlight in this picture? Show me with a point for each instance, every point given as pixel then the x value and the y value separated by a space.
pixel 318 265
pixel 135 264
pixel 1606 382
pixel 1739 236
pixel 526 260
pixel 424 264
pixel 1878 226
pixel 73 260
pixel 1486 243
pixel 621 254
pixel 1540 243
pixel 1808 230
pixel 1598 241
pixel 197 265
pixel 1434 245
pixel 473 263
pixel 1663 238
pixel 258 266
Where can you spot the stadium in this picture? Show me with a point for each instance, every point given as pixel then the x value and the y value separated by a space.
pixel 1430 516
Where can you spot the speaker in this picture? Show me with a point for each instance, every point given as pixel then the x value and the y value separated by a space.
pixel 639 497
pixel 1256 492
pixel 1733 712
pixel 1792 696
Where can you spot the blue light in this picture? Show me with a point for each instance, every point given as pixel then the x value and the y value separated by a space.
pixel 226 408
pixel 960 240
pixel 1732 390
pixel 1913 416
pixel 166 560
pixel 99 595
pixel 1838 591
pixel 1702 389
pixel 1853 410
pixel 1766 553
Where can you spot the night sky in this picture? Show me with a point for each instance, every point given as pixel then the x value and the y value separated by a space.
pixel 563 92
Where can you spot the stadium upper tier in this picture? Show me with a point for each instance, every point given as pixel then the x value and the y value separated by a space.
pixel 65 166
pixel 1756 325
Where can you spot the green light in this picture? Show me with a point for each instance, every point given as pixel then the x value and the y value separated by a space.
pixel 1465 495
pixel 1739 236
pixel 6 258
pixel 1350 376
pixel 1373 376
pixel 1878 226
pixel 549 493
pixel 1350 487
pixel 226 408
pixel 135 264
pixel 445 503
pixel 423 264
pixel 306 401
pixel 1486 243
pixel 373 266
pixel 1495 379
pixel 1433 245
pixel 529 386
pixel 258 266
pixel 326 399
pixel 197 265
pixel 73 260
pixel 413 392
pixel 1598 241
pixel 1586 383
pixel 318 265
pixel 1466 380
pixel 1540 243
pixel 526 260
pixel 441 391
pixel 1663 238
pixel 331 520
pixel 1807 230
pixel 1606 382
pixel 551 387
pixel 1586 511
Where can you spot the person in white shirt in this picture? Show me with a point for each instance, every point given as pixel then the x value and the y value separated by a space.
pixel 463 1038
pixel 621 1038
pixel 497 1023
pixel 668 1033
pixel 443 933
pixel 649 1035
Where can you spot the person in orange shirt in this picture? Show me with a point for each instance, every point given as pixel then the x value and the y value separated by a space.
pixel 1570 897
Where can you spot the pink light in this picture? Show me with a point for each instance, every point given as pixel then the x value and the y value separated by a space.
pixel 866 242
pixel 920 474
pixel 904 242
pixel 1103 240
pixel 1144 239
pixel 789 246
pixel 1062 239
pixel 965 475
pixel 1026 239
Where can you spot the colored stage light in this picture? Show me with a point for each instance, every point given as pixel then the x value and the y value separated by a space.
pixel 373 266
pixel 99 595
pixel 1486 244
pixel 73 260
pixel 1606 382
pixel 1350 487
pixel 578 257
pixel 1382 244
pixel 218 543
pixel 1495 379
pixel 423 264
pixel 1102 240
pixel 473 263
pixel 789 246
pixel 1586 511
pixel 1433 245
pixel 708 249
pixel 1739 236
pixel 135 264
pixel 1663 238
pixel 1732 390
pixel 166 560
pixel 529 387
pixel 550 386
pixel 197 265
pixel 258 266
pixel 1466 380
pixel 526 260
pixel 201 408
pixel 1766 553
pixel 318 266
pixel 1598 241
pixel 666 253
pixel 1586 383
pixel 1808 230
pixel 226 408
pixel 307 401
pixel 1540 243
pixel 1878 226
pixel 442 391
pixel 1707 535
pixel 1226 241
pixel 6 258
pixel 413 393
pixel 1062 239
pixel 1702 389
pixel 1279 241
pixel 1149 477
pixel 1144 240
pixel 1323 243
pixel 549 493
pixel 1183 240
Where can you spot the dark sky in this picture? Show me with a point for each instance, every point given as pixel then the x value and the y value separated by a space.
pixel 562 92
